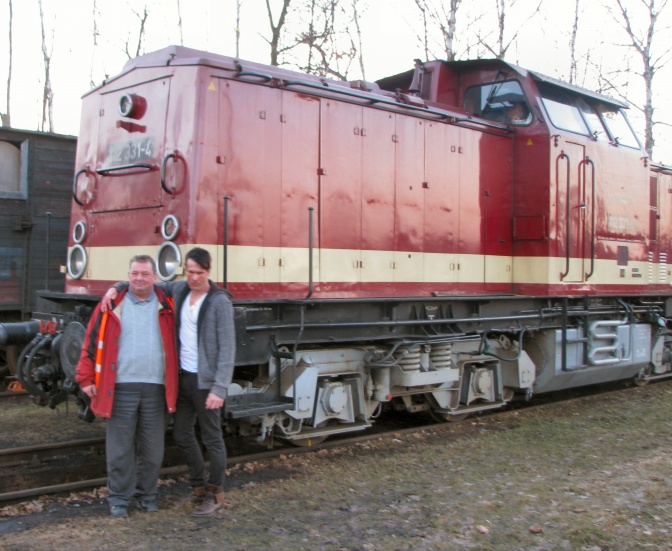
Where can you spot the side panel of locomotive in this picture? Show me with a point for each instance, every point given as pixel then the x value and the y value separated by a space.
pixel 396 204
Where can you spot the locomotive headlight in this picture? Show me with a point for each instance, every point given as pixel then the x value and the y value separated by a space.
pixel 132 106
pixel 79 232
pixel 77 261
pixel 170 226
pixel 168 261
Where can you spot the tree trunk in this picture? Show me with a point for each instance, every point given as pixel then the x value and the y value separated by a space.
pixel 47 94
pixel 6 116
pixel 276 29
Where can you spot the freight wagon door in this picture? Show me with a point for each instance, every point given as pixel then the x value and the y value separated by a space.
pixel 572 210
pixel 130 147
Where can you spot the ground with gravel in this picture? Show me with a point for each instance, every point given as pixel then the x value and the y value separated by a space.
pixel 588 474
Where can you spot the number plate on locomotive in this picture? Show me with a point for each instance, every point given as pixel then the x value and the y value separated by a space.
pixel 132 151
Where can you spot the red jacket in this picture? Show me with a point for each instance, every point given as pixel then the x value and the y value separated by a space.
pixel 101 404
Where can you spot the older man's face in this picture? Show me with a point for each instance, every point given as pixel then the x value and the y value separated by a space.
pixel 141 279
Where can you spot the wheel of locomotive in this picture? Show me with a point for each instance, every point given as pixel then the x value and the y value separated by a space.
pixel 308 441
pixel 641 377
pixel 639 381
pixel 443 417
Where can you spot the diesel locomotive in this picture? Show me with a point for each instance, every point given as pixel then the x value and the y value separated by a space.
pixel 442 240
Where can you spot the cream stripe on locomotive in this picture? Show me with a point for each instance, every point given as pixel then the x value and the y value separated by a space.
pixel 272 264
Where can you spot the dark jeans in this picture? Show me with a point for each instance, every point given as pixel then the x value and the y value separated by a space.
pixel 190 408
pixel 135 441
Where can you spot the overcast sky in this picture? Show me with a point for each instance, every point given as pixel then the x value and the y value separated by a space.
pixel 390 29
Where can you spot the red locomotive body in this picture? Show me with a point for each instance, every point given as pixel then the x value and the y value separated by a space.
pixel 439 240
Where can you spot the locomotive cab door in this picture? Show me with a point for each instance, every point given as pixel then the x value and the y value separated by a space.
pixel 573 207
pixel 131 138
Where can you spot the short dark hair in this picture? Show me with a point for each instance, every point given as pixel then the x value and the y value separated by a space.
pixel 201 257
pixel 143 258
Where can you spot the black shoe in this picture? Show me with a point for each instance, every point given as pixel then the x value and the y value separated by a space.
pixel 148 506
pixel 119 511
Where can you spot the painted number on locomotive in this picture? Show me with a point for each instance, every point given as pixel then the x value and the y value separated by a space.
pixel 132 151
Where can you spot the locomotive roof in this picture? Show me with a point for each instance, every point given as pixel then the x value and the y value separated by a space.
pixel 393 81
pixel 551 80
pixel 180 55
pixel 358 91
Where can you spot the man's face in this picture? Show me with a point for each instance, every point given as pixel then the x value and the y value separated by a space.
pixel 141 279
pixel 516 112
pixel 197 276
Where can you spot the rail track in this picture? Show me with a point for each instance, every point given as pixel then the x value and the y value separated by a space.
pixel 75 465
pixel 13 395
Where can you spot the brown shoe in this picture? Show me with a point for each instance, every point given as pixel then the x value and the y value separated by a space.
pixel 196 496
pixel 212 503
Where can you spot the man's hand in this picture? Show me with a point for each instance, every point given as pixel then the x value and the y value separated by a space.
pixel 90 390
pixel 106 301
pixel 213 401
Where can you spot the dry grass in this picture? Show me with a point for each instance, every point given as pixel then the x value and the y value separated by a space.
pixel 26 424
pixel 592 474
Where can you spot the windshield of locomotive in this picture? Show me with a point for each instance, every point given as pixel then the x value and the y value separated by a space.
pixel 585 115
pixel 499 102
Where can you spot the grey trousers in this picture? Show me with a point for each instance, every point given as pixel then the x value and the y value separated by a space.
pixel 191 407
pixel 135 441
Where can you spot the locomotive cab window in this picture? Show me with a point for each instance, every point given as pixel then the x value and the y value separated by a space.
pixel 618 126
pixel 593 120
pixel 499 102
pixel 572 112
pixel 562 109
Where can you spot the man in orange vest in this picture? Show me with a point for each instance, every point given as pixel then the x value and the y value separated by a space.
pixel 129 369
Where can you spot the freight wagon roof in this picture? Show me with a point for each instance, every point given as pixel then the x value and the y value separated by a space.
pixel 9 131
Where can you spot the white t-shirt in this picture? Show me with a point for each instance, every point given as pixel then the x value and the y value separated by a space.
pixel 189 334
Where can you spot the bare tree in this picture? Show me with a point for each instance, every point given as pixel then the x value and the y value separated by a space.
pixel 572 45
pixel 501 46
pixel 141 34
pixel 239 5
pixel 48 94
pixel 179 22
pixel 276 30
pixel 424 40
pixel 643 44
pixel 358 30
pixel 331 48
pixel 444 17
pixel 96 33
pixel 5 118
